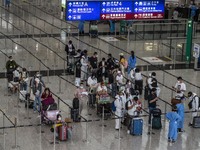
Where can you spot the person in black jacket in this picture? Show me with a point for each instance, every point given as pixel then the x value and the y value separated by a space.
pixel 70 50
pixel 110 62
pixel 93 62
pixel 11 65
pixel 102 71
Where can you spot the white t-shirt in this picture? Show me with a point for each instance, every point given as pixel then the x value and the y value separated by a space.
pixel 180 86
pixel 119 79
pixel 138 76
pixel 100 88
pixel 92 82
pixel 132 112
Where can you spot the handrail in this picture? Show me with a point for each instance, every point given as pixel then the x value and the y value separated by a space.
pixel 7 117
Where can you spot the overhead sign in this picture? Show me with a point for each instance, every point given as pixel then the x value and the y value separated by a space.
pixel 114 10
pixel 196 51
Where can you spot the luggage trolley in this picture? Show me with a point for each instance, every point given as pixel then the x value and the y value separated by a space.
pixel 104 101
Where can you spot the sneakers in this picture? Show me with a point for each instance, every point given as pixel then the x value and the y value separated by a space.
pixel 173 141
pixel 169 140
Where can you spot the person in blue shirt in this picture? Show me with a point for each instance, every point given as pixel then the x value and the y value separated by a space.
pixel 173 118
pixel 193 9
pixel 180 111
pixel 131 62
pixel 81 27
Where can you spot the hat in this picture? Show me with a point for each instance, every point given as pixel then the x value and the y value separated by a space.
pixel 121 54
pixel 37 80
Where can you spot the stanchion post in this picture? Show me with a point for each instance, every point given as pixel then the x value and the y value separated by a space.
pixel 58 103
pixel 164 74
pixel 15 146
pixel 48 76
pixel 59 92
pixel 64 68
pixel 165 109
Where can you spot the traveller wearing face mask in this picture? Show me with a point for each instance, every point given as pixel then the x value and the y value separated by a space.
pixel 57 125
pixel 138 81
pixel 128 86
pixel 92 83
pixel 81 94
pixel 102 72
pixel 180 88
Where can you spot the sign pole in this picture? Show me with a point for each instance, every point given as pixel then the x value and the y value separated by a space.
pixel 189 41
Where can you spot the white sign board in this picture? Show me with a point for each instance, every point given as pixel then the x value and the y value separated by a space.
pixel 196 51
pixel 153 59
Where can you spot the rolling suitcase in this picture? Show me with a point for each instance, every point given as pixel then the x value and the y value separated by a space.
pixel 63 134
pixel 75 115
pixel 196 122
pixel 136 126
pixel 156 123
pixel 75 103
pixel 22 95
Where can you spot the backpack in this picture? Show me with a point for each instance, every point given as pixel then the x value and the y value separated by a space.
pixel 126 104
pixel 190 103
pixel 113 106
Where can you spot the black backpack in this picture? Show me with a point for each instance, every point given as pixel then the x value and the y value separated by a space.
pixel 156 112
pixel 75 103
pixel 155 83
pixel 190 103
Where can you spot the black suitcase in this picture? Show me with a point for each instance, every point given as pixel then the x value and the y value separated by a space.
pixel 156 123
pixel 156 112
pixel 92 100
pixel 75 115
pixel 75 103
pixel 196 122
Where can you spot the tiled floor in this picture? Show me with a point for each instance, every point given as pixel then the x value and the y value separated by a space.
pixel 41 53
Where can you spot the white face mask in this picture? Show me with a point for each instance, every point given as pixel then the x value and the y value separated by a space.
pixel 81 87
pixel 59 118
pixel 129 83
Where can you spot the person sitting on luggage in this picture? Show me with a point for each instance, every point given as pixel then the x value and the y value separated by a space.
pixel 56 126
pixel 47 99
pixel 134 110
pixel 152 99
pixel 153 83
pixel 173 118
pixel 180 88
pixel 92 83
pixel 138 81
pixel 193 106
pixel 119 80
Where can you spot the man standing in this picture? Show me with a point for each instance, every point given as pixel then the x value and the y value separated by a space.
pixel 180 88
pixel 194 100
pixel 37 91
pixel 152 98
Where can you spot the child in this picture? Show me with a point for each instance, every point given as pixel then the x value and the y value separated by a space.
pixel 173 118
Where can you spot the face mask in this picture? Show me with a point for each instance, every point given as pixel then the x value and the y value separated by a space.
pixel 59 119
pixel 81 87
pixel 179 82
pixel 129 83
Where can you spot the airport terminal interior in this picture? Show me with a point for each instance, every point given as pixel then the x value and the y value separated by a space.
pixel 35 33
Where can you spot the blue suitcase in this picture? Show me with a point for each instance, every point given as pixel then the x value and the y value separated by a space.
pixel 136 126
